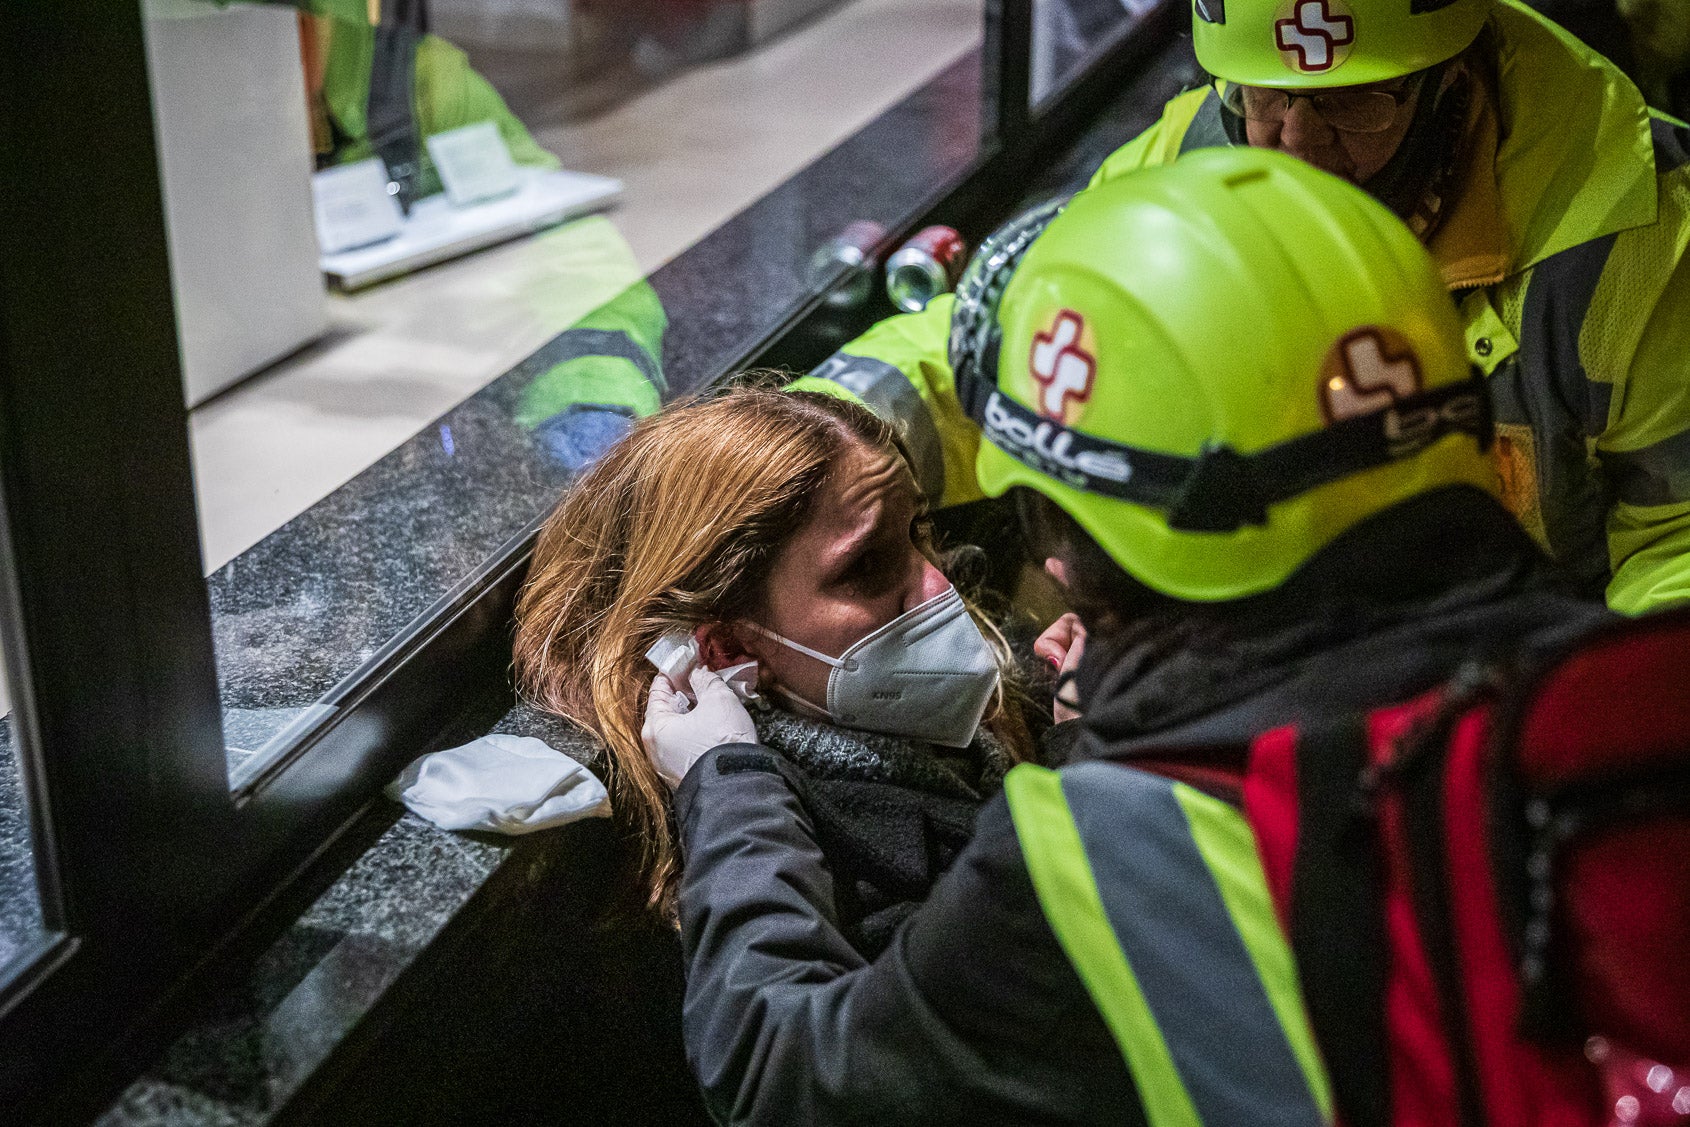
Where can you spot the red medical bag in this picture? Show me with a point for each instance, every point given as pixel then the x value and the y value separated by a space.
pixel 1487 889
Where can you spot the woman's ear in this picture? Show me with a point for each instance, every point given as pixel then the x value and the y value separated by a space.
pixel 719 646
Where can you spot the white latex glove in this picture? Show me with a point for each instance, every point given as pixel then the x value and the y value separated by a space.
pixel 677 732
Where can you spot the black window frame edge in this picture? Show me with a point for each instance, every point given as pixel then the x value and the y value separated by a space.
pixel 116 712
pixel 151 863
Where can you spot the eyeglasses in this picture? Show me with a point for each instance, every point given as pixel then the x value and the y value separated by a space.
pixel 1349 109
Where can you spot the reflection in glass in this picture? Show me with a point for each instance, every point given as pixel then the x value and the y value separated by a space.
pixel 383 90
pixel 1068 33
pixel 365 438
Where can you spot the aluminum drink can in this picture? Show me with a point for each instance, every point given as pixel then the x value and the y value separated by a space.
pixel 930 264
pixel 852 249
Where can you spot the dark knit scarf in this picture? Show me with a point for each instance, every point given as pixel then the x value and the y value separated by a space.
pixel 890 814
pixel 1384 612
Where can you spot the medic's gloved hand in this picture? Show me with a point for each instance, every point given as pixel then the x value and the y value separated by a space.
pixel 677 733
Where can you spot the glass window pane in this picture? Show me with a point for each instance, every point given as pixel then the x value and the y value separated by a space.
pixel 21 926
pixel 396 354
pixel 1068 33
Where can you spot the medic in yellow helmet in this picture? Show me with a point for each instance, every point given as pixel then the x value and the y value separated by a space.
pixel 1254 447
pixel 1555 204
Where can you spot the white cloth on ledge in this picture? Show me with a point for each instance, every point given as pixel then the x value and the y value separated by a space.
pixel 500 784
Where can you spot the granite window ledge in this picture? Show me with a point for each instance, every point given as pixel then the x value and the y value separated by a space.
pixel 442 977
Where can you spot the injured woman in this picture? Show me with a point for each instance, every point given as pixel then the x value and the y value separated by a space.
pixel 772 548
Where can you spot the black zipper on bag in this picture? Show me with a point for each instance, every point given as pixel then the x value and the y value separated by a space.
pixel 1418 772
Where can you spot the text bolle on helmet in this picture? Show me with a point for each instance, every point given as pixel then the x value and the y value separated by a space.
pixel 1319 43
pixel 1217 367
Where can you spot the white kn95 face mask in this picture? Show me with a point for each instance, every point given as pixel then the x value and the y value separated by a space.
pixel 926 675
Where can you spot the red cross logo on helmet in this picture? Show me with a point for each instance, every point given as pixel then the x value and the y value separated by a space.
pixel 1368 370
pixel 1062 369
pixel 1312 38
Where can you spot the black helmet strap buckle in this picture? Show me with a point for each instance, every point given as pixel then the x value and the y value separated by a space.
pixel 1220 494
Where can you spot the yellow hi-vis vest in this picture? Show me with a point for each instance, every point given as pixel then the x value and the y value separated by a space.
pixel 1157 897
pixel 1568 253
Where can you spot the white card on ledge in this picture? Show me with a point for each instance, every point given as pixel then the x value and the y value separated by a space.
pixel 474 163
pixel 436 231
pixel 353 206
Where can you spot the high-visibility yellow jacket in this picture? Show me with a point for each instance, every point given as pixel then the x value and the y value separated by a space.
pixel 1098 904
pixel 1565 248
pixel 591 380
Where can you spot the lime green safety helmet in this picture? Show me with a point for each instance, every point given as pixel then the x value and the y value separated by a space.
pixel 1316 43
pixel 1216 367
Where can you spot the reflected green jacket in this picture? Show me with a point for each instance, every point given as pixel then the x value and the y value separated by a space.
pixel 447 93
pixel 610 359
pixel 1566 252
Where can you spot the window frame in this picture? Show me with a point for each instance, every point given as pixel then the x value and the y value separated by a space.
pixel 116 713
pixel 141 845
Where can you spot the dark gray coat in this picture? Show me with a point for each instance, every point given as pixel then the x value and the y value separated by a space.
pixel 972 1014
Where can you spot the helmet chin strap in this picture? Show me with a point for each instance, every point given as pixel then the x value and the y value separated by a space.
pixel 1429 151
pixel 1237 130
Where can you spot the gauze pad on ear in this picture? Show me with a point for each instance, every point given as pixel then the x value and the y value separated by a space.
pixel 742 679
pixel 676 655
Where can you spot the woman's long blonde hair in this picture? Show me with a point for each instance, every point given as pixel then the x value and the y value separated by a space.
pixel 676 526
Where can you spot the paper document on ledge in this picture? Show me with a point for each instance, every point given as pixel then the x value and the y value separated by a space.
pixel 436 231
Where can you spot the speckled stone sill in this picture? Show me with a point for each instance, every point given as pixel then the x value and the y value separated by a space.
pixel 255 1046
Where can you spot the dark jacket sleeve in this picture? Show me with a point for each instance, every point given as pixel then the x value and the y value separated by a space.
pixel 972 1015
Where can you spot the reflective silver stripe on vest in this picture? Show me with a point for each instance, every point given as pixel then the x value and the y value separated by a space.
pixel 1658 474
pixel 575 344
pixel 1199 980
pixel 889 394
pixel 1546 387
